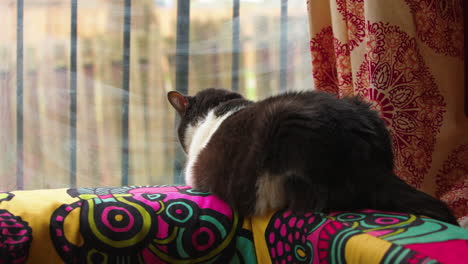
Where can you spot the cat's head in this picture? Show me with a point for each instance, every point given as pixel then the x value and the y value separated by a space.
pixel 192 109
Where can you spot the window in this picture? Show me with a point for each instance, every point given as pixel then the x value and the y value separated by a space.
pixel 89 108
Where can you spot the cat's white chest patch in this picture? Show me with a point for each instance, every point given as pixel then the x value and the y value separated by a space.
pixel 199 135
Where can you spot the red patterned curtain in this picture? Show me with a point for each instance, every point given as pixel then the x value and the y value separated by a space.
pixel 407 58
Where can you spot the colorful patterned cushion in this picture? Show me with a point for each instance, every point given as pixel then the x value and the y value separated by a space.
pixel 175 224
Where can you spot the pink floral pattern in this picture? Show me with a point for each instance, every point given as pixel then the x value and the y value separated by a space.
pixel 331 64
pixel 452 181
pixel 394 78
pixel 439 24
pixel 353 14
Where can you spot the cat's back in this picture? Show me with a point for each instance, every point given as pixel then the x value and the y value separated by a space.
pixel 311 102
pixel 307 114
pixel 297 129
pixel 310 111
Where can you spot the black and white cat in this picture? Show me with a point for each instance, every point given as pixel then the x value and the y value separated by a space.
pixel 305 151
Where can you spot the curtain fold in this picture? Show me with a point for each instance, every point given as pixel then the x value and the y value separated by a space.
pixel 406 57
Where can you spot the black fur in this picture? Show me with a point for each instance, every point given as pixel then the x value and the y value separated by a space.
pixel 333 154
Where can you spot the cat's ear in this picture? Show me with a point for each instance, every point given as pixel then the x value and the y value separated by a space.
pixel 178 101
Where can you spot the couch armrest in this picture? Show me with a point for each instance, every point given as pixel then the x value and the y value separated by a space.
pixel 175 224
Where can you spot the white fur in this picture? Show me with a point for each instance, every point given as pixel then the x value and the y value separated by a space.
pixel 270 194
pixel 189 131
pixel 198 136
